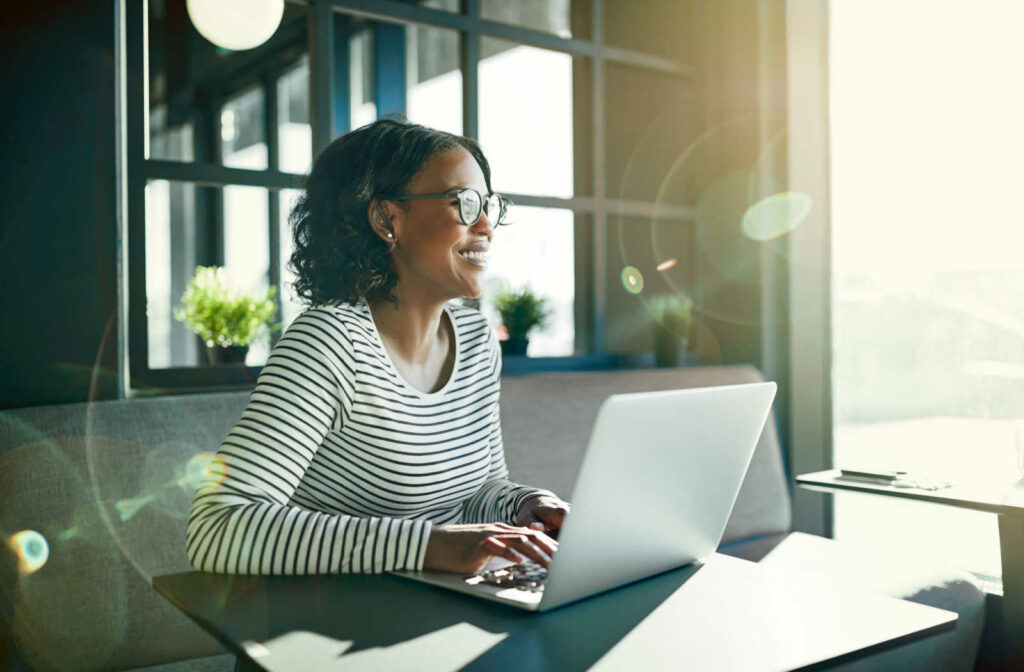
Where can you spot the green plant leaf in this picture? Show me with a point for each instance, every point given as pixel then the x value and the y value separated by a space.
pixel 673 312
pixel 222 315
pixel 521 310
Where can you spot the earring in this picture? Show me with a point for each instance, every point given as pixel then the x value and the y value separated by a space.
pixel 391 235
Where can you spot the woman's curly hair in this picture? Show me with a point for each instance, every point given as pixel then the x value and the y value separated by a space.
pixel 337 257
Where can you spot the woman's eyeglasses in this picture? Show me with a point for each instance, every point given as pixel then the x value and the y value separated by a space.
pixel 471 205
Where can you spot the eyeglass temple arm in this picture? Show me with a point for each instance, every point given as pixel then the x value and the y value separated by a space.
pixel 417 197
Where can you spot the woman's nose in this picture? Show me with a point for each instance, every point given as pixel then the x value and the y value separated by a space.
pixel 484 220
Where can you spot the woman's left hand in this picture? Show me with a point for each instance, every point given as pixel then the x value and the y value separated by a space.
pixel 542 512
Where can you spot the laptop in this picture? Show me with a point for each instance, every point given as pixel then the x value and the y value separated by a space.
pixel 654 492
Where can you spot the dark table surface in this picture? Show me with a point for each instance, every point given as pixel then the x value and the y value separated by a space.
pixel 728 614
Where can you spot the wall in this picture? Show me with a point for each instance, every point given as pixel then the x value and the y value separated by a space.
pixel 58 271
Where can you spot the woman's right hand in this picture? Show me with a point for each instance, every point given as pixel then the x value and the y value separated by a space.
pixel 467 548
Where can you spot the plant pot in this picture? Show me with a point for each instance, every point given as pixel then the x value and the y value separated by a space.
pixel 514 345
pixel 232 354
pixel 667 347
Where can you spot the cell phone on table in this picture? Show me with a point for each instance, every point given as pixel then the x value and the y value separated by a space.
pixel 887 476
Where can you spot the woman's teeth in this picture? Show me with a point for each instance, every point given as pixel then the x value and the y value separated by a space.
pixel 474 256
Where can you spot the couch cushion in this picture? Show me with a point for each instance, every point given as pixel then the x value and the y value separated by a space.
pixel 105 485
pixel 919 580
pixel 546 420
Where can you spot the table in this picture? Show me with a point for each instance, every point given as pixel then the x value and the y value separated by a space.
pixel 1001 496
pixel 727 614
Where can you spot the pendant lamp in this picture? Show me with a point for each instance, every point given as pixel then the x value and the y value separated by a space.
pixel 236 24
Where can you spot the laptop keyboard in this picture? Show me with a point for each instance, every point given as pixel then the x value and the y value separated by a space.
pixel 529 576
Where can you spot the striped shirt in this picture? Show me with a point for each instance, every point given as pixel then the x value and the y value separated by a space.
pixel 338 465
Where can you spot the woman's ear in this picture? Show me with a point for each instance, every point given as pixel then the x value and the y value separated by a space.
pixel 380 217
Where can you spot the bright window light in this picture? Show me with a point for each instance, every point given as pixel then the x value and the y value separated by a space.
pixel 928 260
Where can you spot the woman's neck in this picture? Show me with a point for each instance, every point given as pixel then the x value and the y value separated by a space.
pixel 413 330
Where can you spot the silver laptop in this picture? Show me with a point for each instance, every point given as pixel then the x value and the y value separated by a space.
pixel 655 490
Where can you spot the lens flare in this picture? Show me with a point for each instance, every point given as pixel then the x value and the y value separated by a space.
pixel 667 264
pixel 203 469
pixel 127 508
pixel 69 533
pixel 31 549
pixel 632 280
pixel 776 215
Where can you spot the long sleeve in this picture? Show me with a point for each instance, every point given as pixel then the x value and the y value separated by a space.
pixel 242 521
pixel 498 499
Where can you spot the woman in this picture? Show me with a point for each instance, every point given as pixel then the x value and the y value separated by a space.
pixel 372 440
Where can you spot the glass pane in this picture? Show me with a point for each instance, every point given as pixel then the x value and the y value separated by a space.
pixel 294 133
pixel 657 27
pixel 243 141
pixel 173 143
pixel 362 105
pixel 433 78
pixel 528 139
pixel 246 235
pixel 246 249
pixel 537 251
pixel 179 238
pixel 192 82
pixel 649 259
pixel 558 17
pixel 290 304
pixel 928 275
pixel 170 262
pixel 657 143
pixel 413 70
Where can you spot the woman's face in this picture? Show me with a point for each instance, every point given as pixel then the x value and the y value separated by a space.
pixel 432 240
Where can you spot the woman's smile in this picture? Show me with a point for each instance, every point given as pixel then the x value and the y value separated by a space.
pixel 475 255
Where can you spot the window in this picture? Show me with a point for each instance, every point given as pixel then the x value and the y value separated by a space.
pixel 226 131
pixel 528 139
pixel 229 135
pixel 537 252
pixel 928 307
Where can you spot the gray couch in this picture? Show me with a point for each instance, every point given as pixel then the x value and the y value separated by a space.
pixel 108 486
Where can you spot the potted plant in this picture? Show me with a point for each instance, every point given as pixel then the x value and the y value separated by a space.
pixel 228 320
pixel 673 318
pixel 520 312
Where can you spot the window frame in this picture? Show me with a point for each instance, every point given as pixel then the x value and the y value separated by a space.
pixel 592 212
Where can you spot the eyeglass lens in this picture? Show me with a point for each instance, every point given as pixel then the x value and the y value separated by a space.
pixel 494 209
pixel 469 206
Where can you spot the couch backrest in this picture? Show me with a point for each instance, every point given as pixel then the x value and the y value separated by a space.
pixel 105 485
pixel 546 420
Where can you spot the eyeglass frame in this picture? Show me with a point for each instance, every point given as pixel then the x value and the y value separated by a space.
pixel 504 204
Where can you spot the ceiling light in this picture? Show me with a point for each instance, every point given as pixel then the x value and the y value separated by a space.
pixel 236 24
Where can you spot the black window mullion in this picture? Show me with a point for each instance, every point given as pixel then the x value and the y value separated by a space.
pixel 214 175
pixel 210 202
pixel 599 296
pixel 469 48
pixel 270 131
pixel 321 68
pixel 135 142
